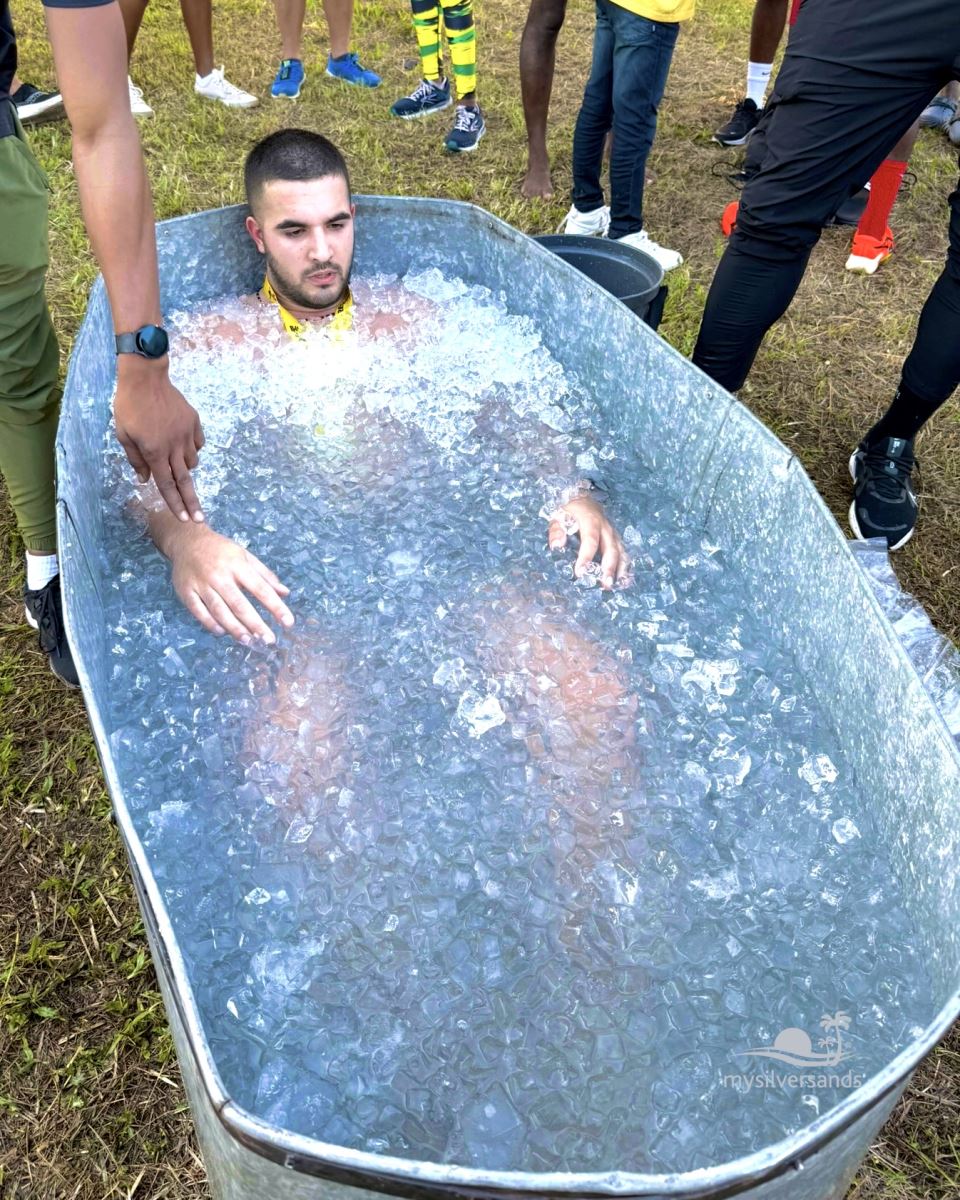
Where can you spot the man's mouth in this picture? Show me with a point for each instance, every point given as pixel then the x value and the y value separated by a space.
pixel 323 278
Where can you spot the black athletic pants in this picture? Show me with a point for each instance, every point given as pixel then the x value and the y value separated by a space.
pixel 854 78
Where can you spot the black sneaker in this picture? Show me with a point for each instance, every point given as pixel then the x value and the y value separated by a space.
pixel 884 502
pixel 44 611
pixel 34 106
pixel 468 128
pixel 741 124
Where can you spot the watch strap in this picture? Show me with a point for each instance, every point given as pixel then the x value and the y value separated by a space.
pixel 127 343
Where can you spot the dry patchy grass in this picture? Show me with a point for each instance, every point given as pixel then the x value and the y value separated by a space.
pixel 90 1103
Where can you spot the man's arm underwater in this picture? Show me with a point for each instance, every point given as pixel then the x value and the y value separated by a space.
pixel 213 577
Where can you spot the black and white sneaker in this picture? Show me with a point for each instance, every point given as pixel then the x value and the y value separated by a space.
pixel 34 106
pixel 741 124
pixel 44 611
pixel 884 502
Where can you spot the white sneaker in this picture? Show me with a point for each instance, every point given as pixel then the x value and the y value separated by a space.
pixel 668 259
pixel 138 106
pixel 590 224
pixel 216 86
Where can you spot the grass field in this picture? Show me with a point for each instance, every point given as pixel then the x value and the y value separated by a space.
pixel 90 1102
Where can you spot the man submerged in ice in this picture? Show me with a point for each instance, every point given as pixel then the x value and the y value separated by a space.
pixel 529 660
pixel 302 222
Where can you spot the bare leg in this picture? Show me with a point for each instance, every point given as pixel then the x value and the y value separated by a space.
pixel 290 15
pixel 198 18
pixel 132 12
pixel 537 59
pixel 339 14
pixel 766 29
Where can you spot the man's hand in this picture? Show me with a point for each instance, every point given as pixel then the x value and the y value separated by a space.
pixel 159 431
pixel 211 574
pixel 585 516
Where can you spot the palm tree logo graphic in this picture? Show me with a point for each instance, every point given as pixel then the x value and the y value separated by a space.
pixel 793 1046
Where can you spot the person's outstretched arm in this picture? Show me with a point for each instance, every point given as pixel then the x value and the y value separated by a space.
pixel 157 428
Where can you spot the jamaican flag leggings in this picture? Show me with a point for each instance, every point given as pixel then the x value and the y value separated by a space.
pixel 29 356
pixel 855 77
pixel 461 38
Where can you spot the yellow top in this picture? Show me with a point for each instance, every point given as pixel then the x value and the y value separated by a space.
pixel 660 10
pixel 341 319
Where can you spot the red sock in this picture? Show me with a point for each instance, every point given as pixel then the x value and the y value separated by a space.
pixel 883 192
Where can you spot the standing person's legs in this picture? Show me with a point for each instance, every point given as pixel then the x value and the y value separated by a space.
pixel 290 14
pixel 931 371
pixel 132 12
pixel 884 502
pixel 643 50
pixel 290 75
pixel 537 60
pixel 827 131
pixel 426 26
pixel 766 30
pixel 461 33
pixel 468 123
pixel 29 393
pixel 339 14
pixel 873 240
pixel 595 119
pixel 198 18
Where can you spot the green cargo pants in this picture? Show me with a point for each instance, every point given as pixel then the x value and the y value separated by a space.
pixel 29 356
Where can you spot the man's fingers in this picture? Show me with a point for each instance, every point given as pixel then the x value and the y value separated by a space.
pixel 244 611
pixel 589 544
pixel 188 495
pixel 199 440
pixel 268 575
pixel 556 535
pixel 265 592
pixel 609 563
pixel 167 487
pixel 224 611
pixel 135 458
pixel 198 609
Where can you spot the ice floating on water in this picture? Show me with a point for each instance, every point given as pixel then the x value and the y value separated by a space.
pixel 476 865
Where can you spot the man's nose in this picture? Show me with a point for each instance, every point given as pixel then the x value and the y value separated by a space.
pixel 320 247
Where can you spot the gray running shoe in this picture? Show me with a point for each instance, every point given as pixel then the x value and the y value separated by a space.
pixel 938 113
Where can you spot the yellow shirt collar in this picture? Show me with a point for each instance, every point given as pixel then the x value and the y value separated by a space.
pixel 341 319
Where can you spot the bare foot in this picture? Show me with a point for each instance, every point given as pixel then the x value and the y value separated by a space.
pixel 537 184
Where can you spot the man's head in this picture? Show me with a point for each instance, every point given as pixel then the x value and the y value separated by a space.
pixel 301 217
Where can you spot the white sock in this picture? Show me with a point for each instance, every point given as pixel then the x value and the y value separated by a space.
pixel 41 568
pixel 758 76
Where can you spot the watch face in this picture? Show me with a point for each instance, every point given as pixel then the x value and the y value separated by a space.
pixel 152 341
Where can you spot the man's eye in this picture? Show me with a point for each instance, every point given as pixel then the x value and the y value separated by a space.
pixel 335 225
pixel 294 232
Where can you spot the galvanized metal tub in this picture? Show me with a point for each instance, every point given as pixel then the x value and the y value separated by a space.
pixel 752 496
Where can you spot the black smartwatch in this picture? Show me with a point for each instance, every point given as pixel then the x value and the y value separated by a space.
pixel 149 341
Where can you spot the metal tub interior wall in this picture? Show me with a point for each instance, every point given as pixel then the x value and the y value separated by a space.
pixel 750 494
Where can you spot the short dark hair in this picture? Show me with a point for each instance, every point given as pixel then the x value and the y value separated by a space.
pixel 296 154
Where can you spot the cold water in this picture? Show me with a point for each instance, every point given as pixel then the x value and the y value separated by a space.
pixel 481 864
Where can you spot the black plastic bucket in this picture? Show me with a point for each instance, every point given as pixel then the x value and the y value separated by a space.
pixel 623 271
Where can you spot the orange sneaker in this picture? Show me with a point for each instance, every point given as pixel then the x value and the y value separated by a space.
pixel 728 218
pixel 867 253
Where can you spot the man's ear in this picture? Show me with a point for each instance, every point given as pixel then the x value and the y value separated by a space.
pixel 255 232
